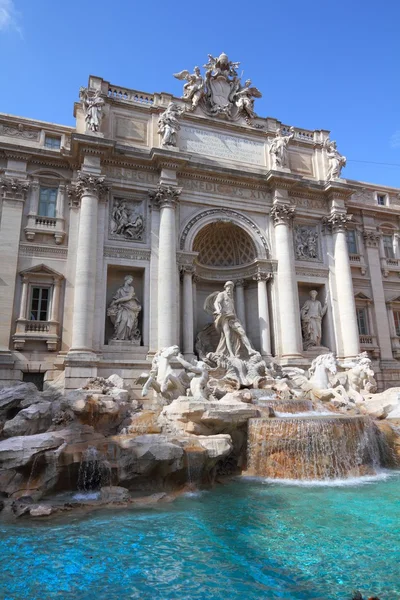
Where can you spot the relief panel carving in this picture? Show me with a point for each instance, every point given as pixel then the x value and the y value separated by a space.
pixel 306 244
pixel 127 220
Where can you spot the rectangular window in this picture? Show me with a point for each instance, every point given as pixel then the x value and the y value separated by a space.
pixel 351 241
pixel 40 301
pixel 381 199
pixel 47 201
pixel 396 316
pixel 362 321
pixel 52 142
pixel 388 246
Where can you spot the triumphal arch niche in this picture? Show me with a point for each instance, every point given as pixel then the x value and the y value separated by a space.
pixel 225 245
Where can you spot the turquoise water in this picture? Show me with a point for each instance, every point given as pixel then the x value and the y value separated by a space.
pixel 246 540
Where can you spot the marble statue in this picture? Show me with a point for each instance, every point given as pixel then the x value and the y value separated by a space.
pixel 193 89
pixel 359 378
pixel 317 382
pixel 93 107
pixel 162 378
pixel 244 100
pixel 233 339
pixel 336 161
pixel 168 124
pixel 124 312
pixel 306 242
pixel 220 92
pixel 198 375
pixel 126 222
pixel 279 149
pixel 311 315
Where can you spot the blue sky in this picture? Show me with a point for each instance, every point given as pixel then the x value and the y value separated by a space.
pixel 319 64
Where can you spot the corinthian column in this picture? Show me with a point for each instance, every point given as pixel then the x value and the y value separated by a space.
pixel 344 285
pixel 263 314
pixel 166 197
pixel 88 188
pixel 187 311
pixel 282 215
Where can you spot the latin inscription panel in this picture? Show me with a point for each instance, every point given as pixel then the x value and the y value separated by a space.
pixel 200 141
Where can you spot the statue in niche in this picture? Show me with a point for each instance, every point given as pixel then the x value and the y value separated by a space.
pixel 126 222
pixel 311 314
pixel 306 242
pixel 93 107
pixel 233 339
pixel 193 90
pixel 124 312
pixel 168 124
pixel 279 149
pixel 336 161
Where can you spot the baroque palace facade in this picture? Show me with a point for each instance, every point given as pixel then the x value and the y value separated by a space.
pixel 159 201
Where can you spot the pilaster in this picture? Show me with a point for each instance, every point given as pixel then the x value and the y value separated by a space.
pixel 13 191
pixel 372 239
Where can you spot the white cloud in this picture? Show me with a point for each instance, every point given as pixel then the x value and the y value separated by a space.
pixel 9 16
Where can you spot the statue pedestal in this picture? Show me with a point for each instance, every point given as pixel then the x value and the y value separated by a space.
pixel 315 351
pixel 123 344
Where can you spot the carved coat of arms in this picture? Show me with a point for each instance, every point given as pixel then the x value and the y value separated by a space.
pixel 220 92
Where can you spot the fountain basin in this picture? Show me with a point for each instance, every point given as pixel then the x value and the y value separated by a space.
pixel 284 406
pixel 315 447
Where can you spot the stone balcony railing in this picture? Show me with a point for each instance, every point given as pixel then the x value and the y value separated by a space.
pixel 389 264
pixel 370 344
pixel 37 331
pixel 396 346
pixel 357 260
pixel 54 226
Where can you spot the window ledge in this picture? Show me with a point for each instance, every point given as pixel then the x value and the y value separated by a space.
pixel 369 343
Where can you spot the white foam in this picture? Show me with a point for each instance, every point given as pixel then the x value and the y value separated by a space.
pixel 348 482
pixel 82 496
pixel 308 413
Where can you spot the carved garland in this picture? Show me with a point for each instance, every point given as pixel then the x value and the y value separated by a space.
pixel 230 213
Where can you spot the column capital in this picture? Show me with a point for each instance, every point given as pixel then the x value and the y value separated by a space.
pixel 371 238
pixel 337 221
pixel 263 276
pixel 14 189
pixel 240 282
pixel 165 196
pixel 86 184
pixel 187 270
pixel 282 214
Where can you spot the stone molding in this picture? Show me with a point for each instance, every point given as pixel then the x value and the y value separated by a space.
pixel 282 214
pixel 165 196
pixel 14 189
pixel 49 251
pixel 127 253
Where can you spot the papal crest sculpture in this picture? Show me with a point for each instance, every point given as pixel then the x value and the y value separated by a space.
pixel 220 92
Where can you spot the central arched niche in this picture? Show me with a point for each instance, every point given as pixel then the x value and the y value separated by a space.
pixel 224 244
pixel 223 248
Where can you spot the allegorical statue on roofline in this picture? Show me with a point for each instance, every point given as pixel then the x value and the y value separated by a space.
pixel 220 93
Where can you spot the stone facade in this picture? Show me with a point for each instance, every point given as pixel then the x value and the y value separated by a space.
pixel 182 195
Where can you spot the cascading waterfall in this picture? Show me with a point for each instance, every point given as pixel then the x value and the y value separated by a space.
pixel 92 471
pixel 285 406
pixel 308 448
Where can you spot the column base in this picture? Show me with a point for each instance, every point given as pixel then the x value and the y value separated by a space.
pixel 292 359
pixel 80 365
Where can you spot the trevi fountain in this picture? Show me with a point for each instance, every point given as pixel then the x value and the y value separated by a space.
pixel 200 467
